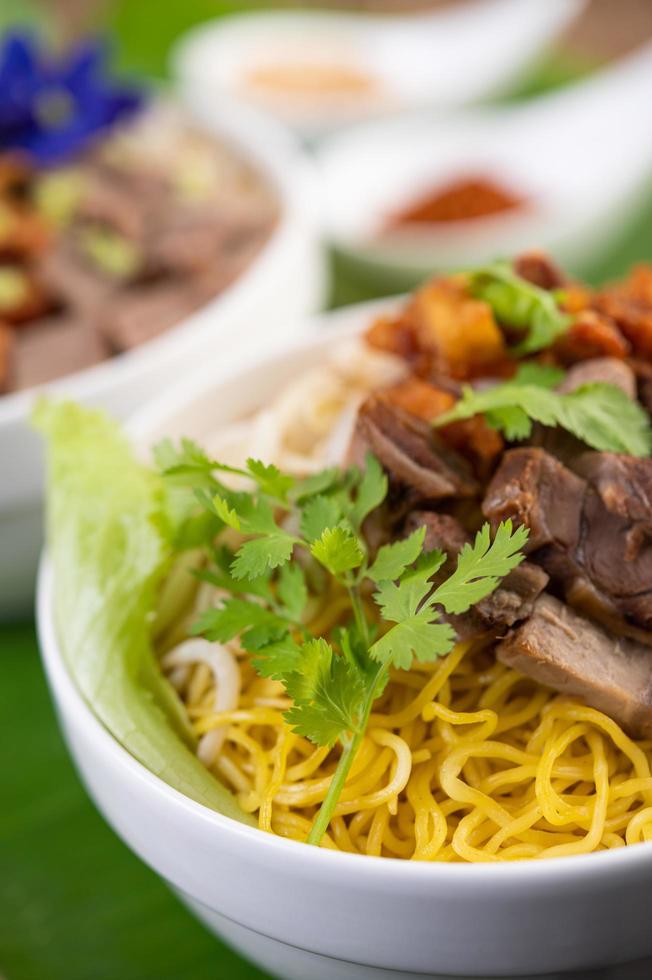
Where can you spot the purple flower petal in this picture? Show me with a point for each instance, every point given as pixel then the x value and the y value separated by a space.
pixel 53 109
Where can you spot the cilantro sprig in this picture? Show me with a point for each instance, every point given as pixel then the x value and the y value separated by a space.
pixel 521 305
pixel 302 540
pixel 599 414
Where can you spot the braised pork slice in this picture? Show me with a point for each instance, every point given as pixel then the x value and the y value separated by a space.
pixel 414 456
pixel 591 529
pixel 608 576
pixel 514 598
pixel 616 538
pixel 565 651
pixel 531 487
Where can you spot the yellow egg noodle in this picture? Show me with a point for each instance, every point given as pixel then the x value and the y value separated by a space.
pixel 464 759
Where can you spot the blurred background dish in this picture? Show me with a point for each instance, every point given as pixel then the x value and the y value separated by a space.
pixel 108 251
pixel 319 70
pixel 149 251
pixel 460 190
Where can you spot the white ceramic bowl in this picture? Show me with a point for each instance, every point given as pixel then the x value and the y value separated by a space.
pixel 444 57
pixel 575 203
pixel 285 281
pixel 304 912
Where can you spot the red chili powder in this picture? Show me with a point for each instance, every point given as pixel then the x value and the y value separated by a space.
pixel 459 200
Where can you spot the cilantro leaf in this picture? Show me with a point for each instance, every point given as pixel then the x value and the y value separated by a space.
pixel 189 459
pixel 338 550
pixel 256 625
pixel 220 576
pixel 416 636
pixel 195 530
pixel 512 420
pixel 411 602
pixel 393 559
pixel 603 416
pixel 328 694
pixel 543 375
pixel 520 304
pixel 417 632
pixel 188 455
pixel 189 464
pixel 599 414
pixel 292 591
pixel 256 556
pixel 319 513
pixel 317 483
pixel 254 515
pixel 480 566
pixel 227 514
pixel 427 564
pixel 277 660
pixel 270 479
pixel 371 491
pixel 400 600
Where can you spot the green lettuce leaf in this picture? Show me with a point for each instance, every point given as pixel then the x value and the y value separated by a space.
pixel 109 551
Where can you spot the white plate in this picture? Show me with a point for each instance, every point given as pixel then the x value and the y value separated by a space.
pixel 286 280
pixel 307 912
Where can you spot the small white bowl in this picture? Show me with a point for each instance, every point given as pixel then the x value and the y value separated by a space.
pixel 285 281
pixel 445 58
pixel 579 189
pixel 302 911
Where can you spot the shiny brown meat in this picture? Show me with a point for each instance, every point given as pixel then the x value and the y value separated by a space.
pixel 591 530
pixel 416 460
pixel 616 539
pixel 531 487
pixel 565 651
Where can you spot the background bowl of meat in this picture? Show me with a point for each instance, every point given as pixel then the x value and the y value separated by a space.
pixel 294 908
pixel 165 246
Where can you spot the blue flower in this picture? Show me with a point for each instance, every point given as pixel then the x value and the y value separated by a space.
pixel 52 110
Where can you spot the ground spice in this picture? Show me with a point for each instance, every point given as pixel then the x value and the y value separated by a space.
pixel 460 200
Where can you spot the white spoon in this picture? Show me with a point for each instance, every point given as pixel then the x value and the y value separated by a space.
pixel 392 63
pixel 581 159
